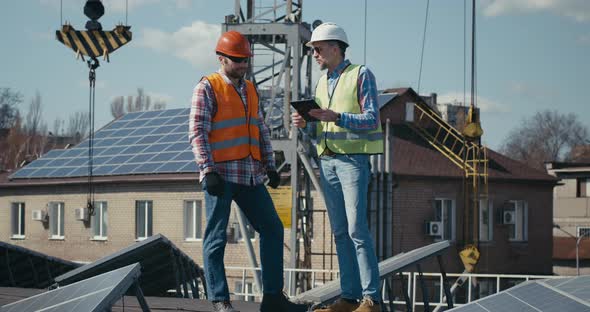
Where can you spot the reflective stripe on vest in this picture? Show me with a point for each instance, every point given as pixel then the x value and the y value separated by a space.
pixel 234 135
pixel 345 100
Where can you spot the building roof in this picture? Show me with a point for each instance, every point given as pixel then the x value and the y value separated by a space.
pixel 564 248
pixel 414 156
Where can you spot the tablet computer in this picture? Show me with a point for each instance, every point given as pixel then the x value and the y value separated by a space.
pixel 304 106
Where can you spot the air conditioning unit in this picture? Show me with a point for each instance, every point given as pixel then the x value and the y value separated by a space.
pixel 82 214
pixel 509 217
pixel 435 228
pixel 39 215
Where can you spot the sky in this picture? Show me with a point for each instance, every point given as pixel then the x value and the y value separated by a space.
pixel 532 55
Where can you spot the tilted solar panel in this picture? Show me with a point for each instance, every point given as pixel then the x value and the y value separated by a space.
pixel 559 295
pixel 137 143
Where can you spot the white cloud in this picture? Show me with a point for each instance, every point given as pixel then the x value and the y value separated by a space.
pixel 535 92
pixel 118 6
pixel 576 9
pixel 485 104
pixel 584 39
pixel 194 43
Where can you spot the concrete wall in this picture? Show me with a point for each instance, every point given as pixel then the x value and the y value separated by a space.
pixel 570 212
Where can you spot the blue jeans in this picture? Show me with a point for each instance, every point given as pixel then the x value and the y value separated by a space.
pixel 344 180
pixel 259 209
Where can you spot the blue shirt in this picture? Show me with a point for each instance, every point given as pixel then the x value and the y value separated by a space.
pixel 368 119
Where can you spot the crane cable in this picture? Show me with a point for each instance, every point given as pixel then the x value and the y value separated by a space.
pixel 423 43
pixel 92 65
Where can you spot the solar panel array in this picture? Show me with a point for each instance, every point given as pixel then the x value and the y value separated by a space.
pixel 98 293
pixel 559 295
pixel 137 143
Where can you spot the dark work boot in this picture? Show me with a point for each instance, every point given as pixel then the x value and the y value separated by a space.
pixel 278 302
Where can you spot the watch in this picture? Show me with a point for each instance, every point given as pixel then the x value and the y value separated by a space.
pixel 338 117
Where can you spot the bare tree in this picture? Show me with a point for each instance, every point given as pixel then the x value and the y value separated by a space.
pixel 141 102
pixel 14 147
pixel 58 127
pixel 118 107
pixel 34 115
pixel 35 128
pixel 8 111
pixel 159 105
pixel 78 126
pixel 546 136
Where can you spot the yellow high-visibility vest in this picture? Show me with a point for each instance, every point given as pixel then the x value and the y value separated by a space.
pixel 345 100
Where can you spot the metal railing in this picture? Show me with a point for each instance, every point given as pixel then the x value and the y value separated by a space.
pixel 499 282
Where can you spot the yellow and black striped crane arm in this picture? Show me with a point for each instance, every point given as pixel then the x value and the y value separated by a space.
pixel 94 43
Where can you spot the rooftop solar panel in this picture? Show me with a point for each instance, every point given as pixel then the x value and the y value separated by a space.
pixel 332 290
pixel 137 143
pixel 163 267
pixel 98 293
pixel 559 295
pixel 25 268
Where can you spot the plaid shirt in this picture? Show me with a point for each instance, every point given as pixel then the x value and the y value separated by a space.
pixel 368 119
pixel 247 171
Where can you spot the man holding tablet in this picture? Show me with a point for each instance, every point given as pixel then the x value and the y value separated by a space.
pixel 348 131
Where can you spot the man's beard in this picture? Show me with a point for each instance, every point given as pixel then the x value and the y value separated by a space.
pixel 236 74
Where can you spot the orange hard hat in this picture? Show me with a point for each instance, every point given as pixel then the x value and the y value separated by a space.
pixel 232 43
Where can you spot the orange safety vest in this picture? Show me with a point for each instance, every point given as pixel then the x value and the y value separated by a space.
pixel 234 134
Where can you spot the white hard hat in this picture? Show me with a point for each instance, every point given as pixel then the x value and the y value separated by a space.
pixel 328 31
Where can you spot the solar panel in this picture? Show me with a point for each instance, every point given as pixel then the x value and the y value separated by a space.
pixel 559 295
pixel 331 290
pixel 98 293
pixel 163 267
pixel 25 268
pixel 137 143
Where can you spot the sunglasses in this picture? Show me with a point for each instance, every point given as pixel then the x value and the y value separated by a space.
pixel 237 59
pixel 317 50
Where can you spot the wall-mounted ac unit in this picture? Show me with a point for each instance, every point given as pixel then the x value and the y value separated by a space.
pixel 39 215
pixel 81 214
pixel 435 228
pixel 509 217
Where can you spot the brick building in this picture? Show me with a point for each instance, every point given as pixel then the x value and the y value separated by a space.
pixel 428 187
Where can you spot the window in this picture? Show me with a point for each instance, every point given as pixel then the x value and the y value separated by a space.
pixel 193 220
pixel 100 221
pixel 583 187
pixel 17 216
pixel 486 224
pixel 516 217
pixel 241 292
pixel 444 210
pixel 143 219
pixel 583 231
pixel 56 220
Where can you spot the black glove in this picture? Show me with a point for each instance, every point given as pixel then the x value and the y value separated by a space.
pixel 273 179
pixel 214 184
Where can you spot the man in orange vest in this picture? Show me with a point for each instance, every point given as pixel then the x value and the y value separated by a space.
pixel 232 148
